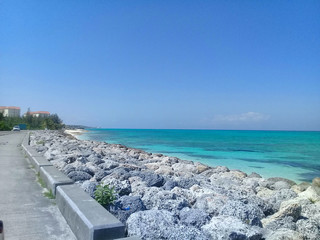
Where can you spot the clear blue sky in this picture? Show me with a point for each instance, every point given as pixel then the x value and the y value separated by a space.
pixel 164 64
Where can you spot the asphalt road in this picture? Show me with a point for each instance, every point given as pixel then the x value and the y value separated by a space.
pixel 26 213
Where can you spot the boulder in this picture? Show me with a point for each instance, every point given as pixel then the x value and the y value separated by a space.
pixel 156 198
pixel 89 187
pixel 300 187
pixel 285 222
pixel 193 217
pixel 165 170
pixel 316 182
pixel 311 194
pixel 227 227
pixel 283 234
pixel 290 210
pixel 120 187
pixel 160 224
pixel 309 229
pixel 278 196
pixel 210 204
pixel 151 224
pixel 79 176
pixel 152 166
pixel 99 175
pixel 153 180
pixel 108 165
pixel 119 173
pixel 96 159
pixel 280 185
pixel 200 168
pixel 138 187
pixel 186 182
pixel 125 206
pixel 248 213
pixel 84 169
pixel 170 184
pixel 254 175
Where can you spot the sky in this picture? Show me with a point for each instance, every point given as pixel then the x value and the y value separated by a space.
pixel 164 64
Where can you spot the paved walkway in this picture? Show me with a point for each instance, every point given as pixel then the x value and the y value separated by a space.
pixel 25 212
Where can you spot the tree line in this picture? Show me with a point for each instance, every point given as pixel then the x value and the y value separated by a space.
pixel 52 122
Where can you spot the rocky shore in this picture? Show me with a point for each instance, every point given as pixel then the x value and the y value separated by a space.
pixel 162 197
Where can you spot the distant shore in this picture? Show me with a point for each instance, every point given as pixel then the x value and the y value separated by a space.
pixel 75 132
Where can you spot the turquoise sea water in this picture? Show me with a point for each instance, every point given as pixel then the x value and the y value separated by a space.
pixel 293 155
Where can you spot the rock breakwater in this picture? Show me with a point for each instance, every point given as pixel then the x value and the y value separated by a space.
pixel 162 197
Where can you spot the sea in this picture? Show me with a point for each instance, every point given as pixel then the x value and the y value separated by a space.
pixel 289 154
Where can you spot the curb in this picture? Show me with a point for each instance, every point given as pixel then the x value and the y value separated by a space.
pixel 84 214
pixel 87 218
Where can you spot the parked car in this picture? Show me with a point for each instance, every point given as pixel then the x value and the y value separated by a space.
pixel 16 128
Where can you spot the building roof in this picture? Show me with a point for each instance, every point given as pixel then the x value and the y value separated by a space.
pixel 3 107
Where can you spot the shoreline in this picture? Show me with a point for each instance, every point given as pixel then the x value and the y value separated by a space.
pixel 255 161
pixel 75 132
pixel 162 187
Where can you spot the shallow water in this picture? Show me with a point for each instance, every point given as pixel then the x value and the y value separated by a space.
pixel 292 155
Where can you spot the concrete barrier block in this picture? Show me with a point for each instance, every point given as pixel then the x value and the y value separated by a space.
pixel 31 152
pixel 86 217
pixel 39 162
pixel 54 178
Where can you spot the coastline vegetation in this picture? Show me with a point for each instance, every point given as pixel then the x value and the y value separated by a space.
pixel 105 195
pixel 52 122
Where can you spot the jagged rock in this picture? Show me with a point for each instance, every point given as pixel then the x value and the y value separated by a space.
pixel 84 169
pixel 210 204
pixel 310 194
pixel 89 187
pixel 120 187
pixel 155 198
pixel 95 159
pixel 82 160
pixel 279 196
pixel 108 165
pixel 71 159
pixel 248 213
pixel 151 179
pixel 291 210
pixel 152 166
pixel 316 182
pixel 170 184
pixel 283 234
pixel 99 175
pixel 184 169
pixel 79 176
pixel 300 187
pixel 254 175
pixel 160 224
pixel 119 173
pixel 125 206
pixel 201 167
pixel 285 222
pixel 193 217
pixel 309 228
pixel 165 170
pixel 187 182
pixel 280 185
pixel 310 210
pixel 138 187
pixel 227 227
